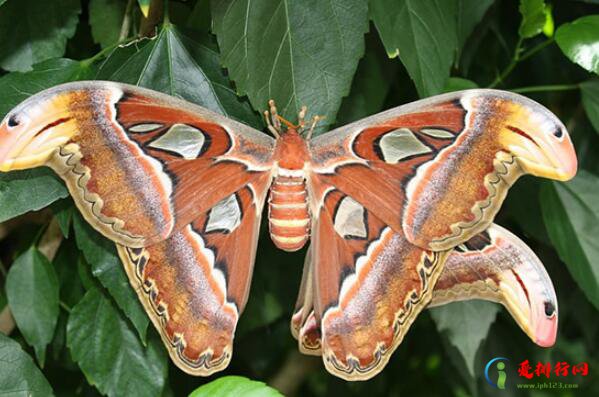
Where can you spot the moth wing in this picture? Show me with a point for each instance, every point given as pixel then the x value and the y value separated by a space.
pixel 438 169
pixel 194 284
pixel 139 164
pixel 496 265
pixel 370 283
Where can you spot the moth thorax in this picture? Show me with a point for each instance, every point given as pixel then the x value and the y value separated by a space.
pixel 288 214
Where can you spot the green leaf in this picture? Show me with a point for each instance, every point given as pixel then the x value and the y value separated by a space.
pixel 233 386
pixel 63 211
pixel 424 36
pixel 297 53
pixel 458 84
pixel 106 266
pixel 39 185
pixel 65 263
pixel 579 40
pixel 549 26
pixel 370 87
pixel 19 376
pixel 110 354
pixel 16 87
pixel 590 101
pixel 468 15
pixel 571 215
pixel 144 6
pixel 200 18
pixel 2 2
pixel 33 31
pixel 534 16
pixel 178 65
pixel 106 18
pixel 466 324
pixel 32 292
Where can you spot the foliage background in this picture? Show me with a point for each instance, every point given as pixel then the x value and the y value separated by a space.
pixel 76 326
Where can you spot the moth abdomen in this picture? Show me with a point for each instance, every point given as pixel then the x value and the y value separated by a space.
pixel 288 214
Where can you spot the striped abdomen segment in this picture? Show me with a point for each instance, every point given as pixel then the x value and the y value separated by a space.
pixel 288 215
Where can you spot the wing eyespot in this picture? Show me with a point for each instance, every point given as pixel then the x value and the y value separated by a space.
pixel 12 121
pixel 549 309
pixel 559 132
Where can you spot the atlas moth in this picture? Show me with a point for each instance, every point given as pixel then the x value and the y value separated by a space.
pixel 398 209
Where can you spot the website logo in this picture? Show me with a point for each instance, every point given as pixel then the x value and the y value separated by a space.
pixel 495 372
pixel 544 375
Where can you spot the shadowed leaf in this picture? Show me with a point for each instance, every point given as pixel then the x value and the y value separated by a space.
pixel 116 362
pixel 19 376
pixel 424 36
pixel 33 31
pixel 571 215
pixel 466 324
pixel 106 266
pixel 32 292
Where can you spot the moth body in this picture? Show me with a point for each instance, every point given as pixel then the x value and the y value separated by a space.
pixel 288 213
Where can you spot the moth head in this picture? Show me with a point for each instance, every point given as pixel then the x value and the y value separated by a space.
pixel 31 132
pixel 536 138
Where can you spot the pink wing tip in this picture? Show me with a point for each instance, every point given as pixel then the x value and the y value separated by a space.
pixel 546 330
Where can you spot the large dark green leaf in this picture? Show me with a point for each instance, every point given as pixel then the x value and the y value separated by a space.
pixel 424 36
pixel 33 31
pixel 571 215
pixel 176 64
pixel 32 292
pixel 109 352
pixel 19 377
pixel 106 18
pixel 468 15
pixel 466 324
pixel 369 88
pixel 297 53
pixel 579 40
pixel 106 266
pixel 40 186
pixel 590 101
pixel 233 386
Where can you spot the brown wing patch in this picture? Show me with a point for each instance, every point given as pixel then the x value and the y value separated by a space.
pixel 195 284
pixel 141 165
pixel 364 308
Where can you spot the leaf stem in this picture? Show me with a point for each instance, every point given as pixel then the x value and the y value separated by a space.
pixel 508 69
pixel 518 57
pixel 104 51
pixel 126 25
pixel 545 88
pixel 65 307
pixel 536 49
pixel 166 19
